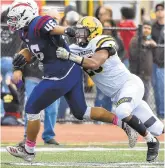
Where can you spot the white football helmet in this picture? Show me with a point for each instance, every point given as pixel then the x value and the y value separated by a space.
pixel 31 3
pixel 20 15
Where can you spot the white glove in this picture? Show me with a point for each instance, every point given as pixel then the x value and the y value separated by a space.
pixel 62 53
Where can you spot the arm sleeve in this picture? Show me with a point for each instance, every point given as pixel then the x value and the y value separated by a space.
pixel 44 25
pixel 13 92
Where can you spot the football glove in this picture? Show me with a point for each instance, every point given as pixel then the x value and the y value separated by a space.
pixel 70 32
pixel 62 53
pixel 19 61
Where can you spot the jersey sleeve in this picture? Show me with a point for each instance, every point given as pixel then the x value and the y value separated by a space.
pixel 44 25
pixel 74 48
pixel 106 42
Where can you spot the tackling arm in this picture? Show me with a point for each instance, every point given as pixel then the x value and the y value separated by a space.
pixel 104 48
pixel 96 60
pixel 93 62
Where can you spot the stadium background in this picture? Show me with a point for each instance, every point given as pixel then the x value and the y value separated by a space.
pixel 72 132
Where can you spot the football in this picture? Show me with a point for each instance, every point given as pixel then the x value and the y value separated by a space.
pixel 26 53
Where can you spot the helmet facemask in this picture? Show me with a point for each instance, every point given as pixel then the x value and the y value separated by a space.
pixel 82 34
pixel 20 15
pixel 12 23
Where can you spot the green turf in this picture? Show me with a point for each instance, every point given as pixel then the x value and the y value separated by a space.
pixel 82 156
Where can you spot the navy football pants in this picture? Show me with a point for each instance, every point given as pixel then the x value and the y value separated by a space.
pixel 47 91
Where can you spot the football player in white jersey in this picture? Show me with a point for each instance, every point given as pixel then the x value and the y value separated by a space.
pixel 97 54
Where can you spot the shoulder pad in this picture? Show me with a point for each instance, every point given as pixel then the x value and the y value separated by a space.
pixel 44 24
pixel 106 41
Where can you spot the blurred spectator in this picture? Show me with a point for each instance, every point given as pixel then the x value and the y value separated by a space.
pixel 63 21
pixel 103 13
pixel 158 53
pixel 128 15
pixel 72 18
pixel 2 103
pixel 54 14
pixel 144 15
pixel 113 33
pixel 102 100
pixel 10 99
pixel 2 109
pixel 10 102
pixel 69 8
pixel 62 109
pixel 141 58
pixel 10 44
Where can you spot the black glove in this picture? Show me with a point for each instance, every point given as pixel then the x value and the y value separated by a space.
pixel 70 32
pixel 19 62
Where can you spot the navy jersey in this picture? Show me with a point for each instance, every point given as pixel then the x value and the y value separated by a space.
pixel 44 46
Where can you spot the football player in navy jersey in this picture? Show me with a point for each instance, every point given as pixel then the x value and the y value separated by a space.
pixel 61 78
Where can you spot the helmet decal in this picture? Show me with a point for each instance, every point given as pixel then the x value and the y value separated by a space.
pixel 20 14
pixel 21 4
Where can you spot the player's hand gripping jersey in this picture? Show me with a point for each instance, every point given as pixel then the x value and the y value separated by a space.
pixel 112 74
pixel 44 46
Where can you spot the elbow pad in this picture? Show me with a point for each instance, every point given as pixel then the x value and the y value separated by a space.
pixel 111 50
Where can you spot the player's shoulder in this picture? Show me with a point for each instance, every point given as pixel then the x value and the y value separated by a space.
pixel 102 41
pixel 102 38
pixel 45 23
pixel 41 20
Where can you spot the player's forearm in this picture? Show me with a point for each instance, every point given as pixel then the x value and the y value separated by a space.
pixel 58 30
pixel 88 63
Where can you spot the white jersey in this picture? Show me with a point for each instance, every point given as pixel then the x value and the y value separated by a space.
pixel 112 74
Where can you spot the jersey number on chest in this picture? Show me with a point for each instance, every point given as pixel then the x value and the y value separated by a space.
pixel 36 51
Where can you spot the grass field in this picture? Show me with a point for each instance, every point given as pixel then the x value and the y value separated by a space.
pixel 109 156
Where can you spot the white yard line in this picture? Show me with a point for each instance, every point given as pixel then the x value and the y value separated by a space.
pixel 3 149
pixel 87 164
pixel 102 165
